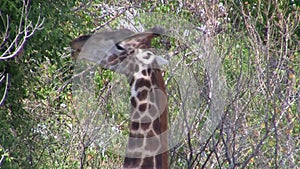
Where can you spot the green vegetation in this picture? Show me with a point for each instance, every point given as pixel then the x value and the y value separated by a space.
pixel 44 123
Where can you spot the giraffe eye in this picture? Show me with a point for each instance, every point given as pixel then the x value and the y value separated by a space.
pixel 119 47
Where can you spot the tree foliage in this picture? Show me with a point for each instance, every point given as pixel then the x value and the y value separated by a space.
pixel 257 42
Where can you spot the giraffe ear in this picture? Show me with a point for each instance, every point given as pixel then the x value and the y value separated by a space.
pixel 161 61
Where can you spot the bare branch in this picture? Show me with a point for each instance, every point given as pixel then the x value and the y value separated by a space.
pixel 24 31
pixel 2 77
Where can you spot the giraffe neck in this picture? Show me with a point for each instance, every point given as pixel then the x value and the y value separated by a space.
pixel 147 144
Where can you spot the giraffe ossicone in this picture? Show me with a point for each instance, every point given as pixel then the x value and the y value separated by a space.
pixel 130 54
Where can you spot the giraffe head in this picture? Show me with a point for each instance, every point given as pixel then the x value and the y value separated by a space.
pixel 121 51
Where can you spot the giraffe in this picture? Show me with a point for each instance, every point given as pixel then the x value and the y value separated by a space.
pixel 127 53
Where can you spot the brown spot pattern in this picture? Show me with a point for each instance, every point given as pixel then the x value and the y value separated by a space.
pixel 133 102
pixel 142 95
pixel 131 162
pixel 135 125
pixel 148 163
pixel 145 126
pixel 158 159
pixel 143 107
pixel 144 72
pixel 141 83
pixel 150 134
pixel 156 126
